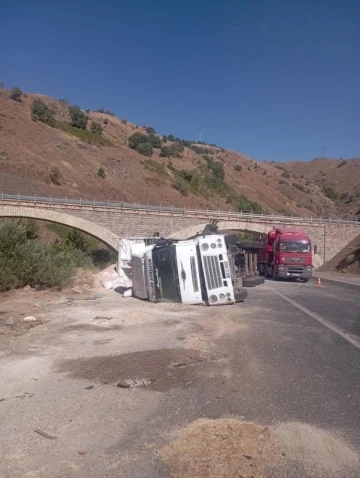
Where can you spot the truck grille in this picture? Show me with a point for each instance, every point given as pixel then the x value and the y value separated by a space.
pixel 294 260
pixel 295 269
pixel 193 274
pixel 212 272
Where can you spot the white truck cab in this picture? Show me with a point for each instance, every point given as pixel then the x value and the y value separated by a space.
pixel 190 272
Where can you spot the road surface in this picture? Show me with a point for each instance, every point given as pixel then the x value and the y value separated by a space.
pixel 270 387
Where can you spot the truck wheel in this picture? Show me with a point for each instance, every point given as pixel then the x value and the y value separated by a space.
pixel 305 280
pixel 240 295
pixel 249 282
pixel 273 275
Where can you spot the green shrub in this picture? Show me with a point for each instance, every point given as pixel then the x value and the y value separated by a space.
pixel 55 175
pixel 83 134
pixel 286 174
pixel 40 111
pixel 155 141
pixel 106 120
pixel 238 168
pixel 200 149
pixel 124 121
pixel 218 170
pixel 78 118
pixel 24 259
pixel 331 193
pixel 299 187
pixel 3 155
pixel 106 112
pixel 155 167
pixel 343 162
pixel 181 185
pixel 150 130
pixel 136 139
pixel 174 150
pixel 15 93
pixel 101 173
pixel 103 257
pixel 164 139
pixel 96 128
pixel 146 149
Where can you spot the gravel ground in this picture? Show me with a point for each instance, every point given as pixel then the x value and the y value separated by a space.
pixel 102 386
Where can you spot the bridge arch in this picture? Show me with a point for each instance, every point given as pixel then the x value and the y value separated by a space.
pixel 51 215
pixel 190 231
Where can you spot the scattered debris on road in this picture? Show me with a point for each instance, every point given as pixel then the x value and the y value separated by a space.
pixel 44 434
pixel 136 383
pixel 30 318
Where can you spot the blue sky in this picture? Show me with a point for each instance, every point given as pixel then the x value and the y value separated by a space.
pixel 277 80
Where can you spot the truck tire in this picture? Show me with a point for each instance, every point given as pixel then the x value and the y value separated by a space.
pixel 305 280
pixel 260 279
pixel 240 295
pixel 249 282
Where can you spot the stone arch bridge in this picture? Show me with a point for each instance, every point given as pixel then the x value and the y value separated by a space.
pixel 109 222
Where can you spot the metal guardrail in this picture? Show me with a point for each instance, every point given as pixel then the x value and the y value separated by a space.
pixel 35 199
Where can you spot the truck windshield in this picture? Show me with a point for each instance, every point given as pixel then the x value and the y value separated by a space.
pixel 301 247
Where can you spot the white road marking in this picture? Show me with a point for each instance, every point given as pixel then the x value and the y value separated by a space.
pixel 322 320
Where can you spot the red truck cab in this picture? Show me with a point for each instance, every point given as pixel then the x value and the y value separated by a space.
pixel 286 254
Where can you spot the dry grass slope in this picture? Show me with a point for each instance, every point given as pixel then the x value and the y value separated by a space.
pixel 30 152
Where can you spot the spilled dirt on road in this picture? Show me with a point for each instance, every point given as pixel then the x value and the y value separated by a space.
pixel 231 448
pixel 321 452
pixel 165 368
pixel 220 448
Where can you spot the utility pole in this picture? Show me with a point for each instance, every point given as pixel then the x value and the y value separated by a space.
pixel 200 134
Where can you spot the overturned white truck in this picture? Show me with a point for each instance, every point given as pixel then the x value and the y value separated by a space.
pixel 194 271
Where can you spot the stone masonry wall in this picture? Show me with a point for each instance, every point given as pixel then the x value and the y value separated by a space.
pixel 112 224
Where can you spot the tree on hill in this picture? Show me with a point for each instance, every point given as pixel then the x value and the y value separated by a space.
pixel 173 150
pixel 78 118
pixel 150 130
pixel 40 111
pixel 96 128
pixel 146 149
pixel 155 141
pixel 136 139
pixel 16 93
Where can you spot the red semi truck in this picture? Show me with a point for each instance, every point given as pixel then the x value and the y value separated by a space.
pixel 286 253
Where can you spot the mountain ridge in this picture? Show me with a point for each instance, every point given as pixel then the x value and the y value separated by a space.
pixel 67 161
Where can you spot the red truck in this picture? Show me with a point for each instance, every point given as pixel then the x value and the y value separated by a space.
pixel 286 253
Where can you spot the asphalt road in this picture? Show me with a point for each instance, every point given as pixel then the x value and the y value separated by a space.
pixel 296 362
pixel 288 358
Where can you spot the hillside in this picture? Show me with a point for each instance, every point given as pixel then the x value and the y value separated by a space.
pixel 340 179
pixel 65 161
